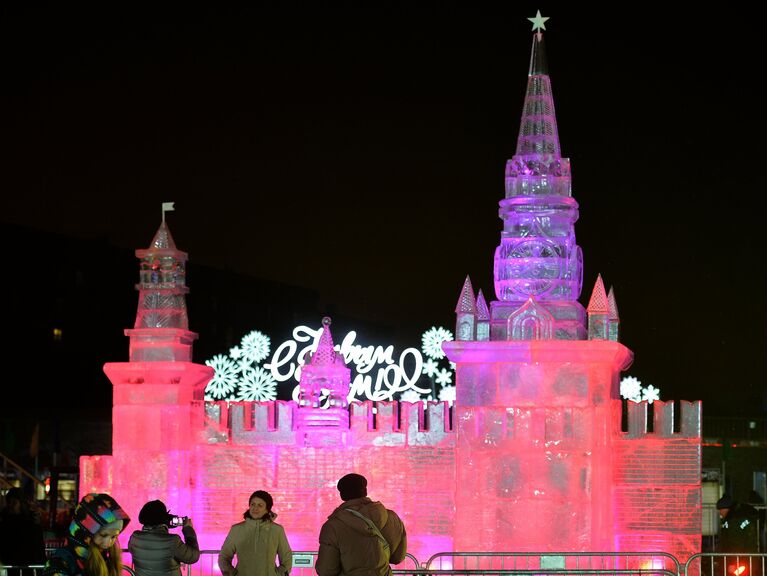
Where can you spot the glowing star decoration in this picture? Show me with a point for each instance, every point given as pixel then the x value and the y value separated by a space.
pixel 235 352
pixel 255 346
pixel 650 394
pixel 444 377
pixel 432 342
pixel 258 385
pixel 224 379
pixel 430 367
pixel 538 21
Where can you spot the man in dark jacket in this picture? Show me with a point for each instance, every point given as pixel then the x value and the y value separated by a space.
pixel 360 537
pixel 739 525
pixel 157 552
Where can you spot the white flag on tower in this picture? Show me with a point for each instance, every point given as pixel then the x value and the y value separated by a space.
pixel 167 207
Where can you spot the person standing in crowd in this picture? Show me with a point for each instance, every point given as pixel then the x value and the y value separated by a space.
pixel 256 541
pixel 738 528
pixel 360 537
pixel 91 547
pixel 21 537
pixel 157 552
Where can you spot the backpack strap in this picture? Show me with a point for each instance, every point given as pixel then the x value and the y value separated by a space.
pixel 373 528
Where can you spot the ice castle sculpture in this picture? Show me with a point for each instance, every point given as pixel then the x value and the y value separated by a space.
pixel 533 457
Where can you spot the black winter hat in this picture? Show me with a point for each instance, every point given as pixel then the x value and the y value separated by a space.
pixel 352 486
pixel 154 513
pixel 724 502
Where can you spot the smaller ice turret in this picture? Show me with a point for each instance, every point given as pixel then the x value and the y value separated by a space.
pixel 466 313
pixel 599 312
pixel 324 388
pixel 483 317
pixel 614 319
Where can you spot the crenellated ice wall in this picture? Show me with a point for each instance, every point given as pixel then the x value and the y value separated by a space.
pixel 406 451
pixel 501 478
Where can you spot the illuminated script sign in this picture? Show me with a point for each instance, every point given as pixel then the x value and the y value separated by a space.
pixel 252 372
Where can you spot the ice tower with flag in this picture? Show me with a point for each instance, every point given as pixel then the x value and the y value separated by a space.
pixel 536 454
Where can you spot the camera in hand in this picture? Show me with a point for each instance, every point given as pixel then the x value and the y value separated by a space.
pixel 176 521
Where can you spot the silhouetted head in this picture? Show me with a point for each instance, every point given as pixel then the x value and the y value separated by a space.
pixel 154 513
pixel 352 486
pixel 724 504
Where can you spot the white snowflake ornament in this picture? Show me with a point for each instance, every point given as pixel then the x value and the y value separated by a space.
pixel 224 379
pixel 432 341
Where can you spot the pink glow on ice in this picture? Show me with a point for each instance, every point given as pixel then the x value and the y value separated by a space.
pixel 535 459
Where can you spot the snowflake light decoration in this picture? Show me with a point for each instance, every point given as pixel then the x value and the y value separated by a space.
pixel 430 367
pixel 413 396
pixel 447 394
pixel 651 394
pixel 631 388
pixel 224 379
pixel 444 377
pixel 235 352
pixel 432 341
pixel 410 396
pixel 255 346
pixel 257 384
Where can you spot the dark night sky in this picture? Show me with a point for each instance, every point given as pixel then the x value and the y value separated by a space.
pixel 359 149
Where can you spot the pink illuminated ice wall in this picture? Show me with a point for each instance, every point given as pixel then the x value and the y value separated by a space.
pixel 532 457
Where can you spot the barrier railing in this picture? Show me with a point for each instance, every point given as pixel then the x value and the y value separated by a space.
pixel 726 564
pixel 37 570
pixel 490 563
pixel 632 561
pixel 508 564
pixel 12 570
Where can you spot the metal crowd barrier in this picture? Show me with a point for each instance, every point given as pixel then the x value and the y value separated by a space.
pixel 31 570
pixel 491 564
pixel 508 564
pixel 537 561
pixel 37 570
pixel 726 564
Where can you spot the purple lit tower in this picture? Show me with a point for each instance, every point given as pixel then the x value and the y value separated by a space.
pixel 540 456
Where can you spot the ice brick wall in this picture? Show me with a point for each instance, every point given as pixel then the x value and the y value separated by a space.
pixel 406 452
pixel 657 480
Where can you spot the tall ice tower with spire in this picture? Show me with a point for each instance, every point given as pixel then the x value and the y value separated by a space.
pixel 538 269
pixel 537 409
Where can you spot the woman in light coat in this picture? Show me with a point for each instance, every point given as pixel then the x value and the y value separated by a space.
pixel 256 541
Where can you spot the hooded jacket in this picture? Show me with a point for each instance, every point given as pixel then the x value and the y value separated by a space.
pixel 157 552
pixel 94 512
pixel 256 544
pixel 348 548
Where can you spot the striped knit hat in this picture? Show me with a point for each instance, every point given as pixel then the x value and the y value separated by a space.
pixel 93 513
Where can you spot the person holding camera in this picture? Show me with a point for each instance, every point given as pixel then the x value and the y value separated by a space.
pixel 256 541
pixel 157 552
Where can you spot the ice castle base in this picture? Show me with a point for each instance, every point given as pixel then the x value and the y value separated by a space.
pixel 533 457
